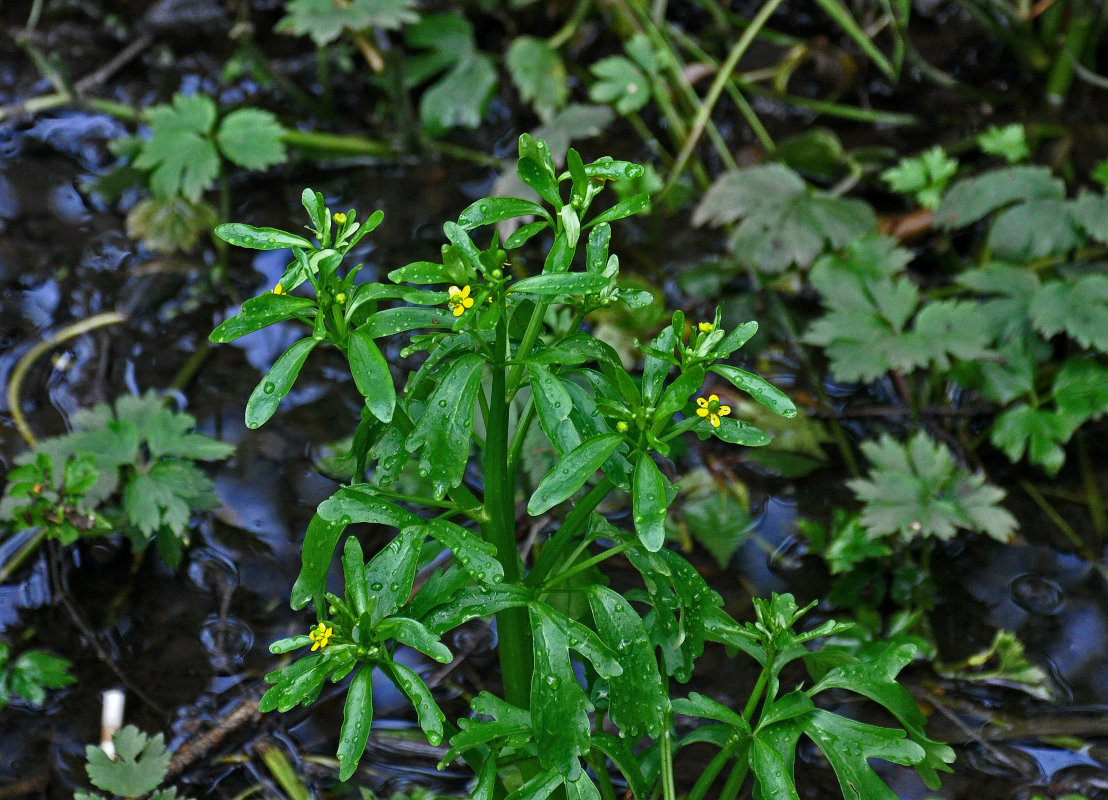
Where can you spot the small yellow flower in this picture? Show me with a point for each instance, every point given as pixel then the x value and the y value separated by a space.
pixel 705 327
pixel 278 289
pixel 459 299
pixel 340 218
pixel 711 409
pixel 621 426
pixel 321 634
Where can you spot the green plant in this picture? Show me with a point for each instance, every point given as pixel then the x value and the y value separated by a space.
pixel 136 768
pixel 182 158
pixel 136 451
pixel 577 658
pixel 30 675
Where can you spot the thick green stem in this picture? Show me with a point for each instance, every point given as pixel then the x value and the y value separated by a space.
pixel 669 789
pixel 513 625
pixel 715 766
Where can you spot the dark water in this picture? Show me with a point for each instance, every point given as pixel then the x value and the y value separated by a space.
pixel 190 646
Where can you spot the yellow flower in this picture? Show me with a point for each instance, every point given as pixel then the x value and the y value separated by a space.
pixel 705 327
pixel 711 409
pixel 278 289
pixel 321 634
pixel 459 299
pixel 340 218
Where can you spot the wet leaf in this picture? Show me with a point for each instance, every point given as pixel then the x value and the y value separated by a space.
pixel 260 312
pixel 637 698
pixel 488 600
pixel 429 714
pixel 391 573
pixel 443 433
pixel 759 388
pixel 139 765
pixel 412 633
pixel 649 497
pixel 561 283
pixel 371 374
pixel 325 20
pixel 477 556
pixel 277 383
pixel 624 208
pixel 491 210
pixel 353 572
pixel 571 472
pixel 391 321
pixel 180 151
pixel 559 707
pixel 357 720
pixel 974 198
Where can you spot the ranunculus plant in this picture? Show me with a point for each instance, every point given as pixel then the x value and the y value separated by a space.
pixel 586 702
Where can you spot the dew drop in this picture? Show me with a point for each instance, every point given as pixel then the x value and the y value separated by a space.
pixel 247 239
pixel 377 586
pixel 442 404
pixel 269 388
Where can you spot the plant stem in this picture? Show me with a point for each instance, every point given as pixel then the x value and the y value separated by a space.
pixel 669 790
pixel 588 562
pixel 574 523
pixel 513 624
pixel 704 114
pixel 1093 497
pixel 13 563
pixel 1058 520
pixel 715 766
pixel 735 780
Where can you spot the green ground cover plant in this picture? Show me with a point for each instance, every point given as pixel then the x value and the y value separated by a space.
pixel 588 673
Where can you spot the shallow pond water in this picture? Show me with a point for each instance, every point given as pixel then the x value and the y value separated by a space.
pixel 190 646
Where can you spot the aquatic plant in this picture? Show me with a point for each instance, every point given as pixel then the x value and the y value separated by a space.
pixel 577 659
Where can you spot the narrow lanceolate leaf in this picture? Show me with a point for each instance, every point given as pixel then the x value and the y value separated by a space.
pixel 371 374
pixel 648 494
pixel 624 208
pixel 277 382
pixel 444 430
pixel 495 209
pixel 535 176
pixel 353 571
pixel 559 708
pixel 637 700
pixel 428 712
pixel 488 601
pixel 561 283
pixel 316 553
pixel 421 272
pixel 259 312
pixel 357 718
pixel 242 235
pixel 406 318
pixel 476 555
pixel 571 472
pixel 759 388
pixel 738 432
pixel 413 633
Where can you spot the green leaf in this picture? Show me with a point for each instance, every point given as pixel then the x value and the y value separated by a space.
pixel 301 681
pixel 260 312
pixel 319 546
pixel 783 223
pixel 759 388
pixel 459 98
pixel 422 272
pixel 538 73
pixel 371 374
pixel 916 490
pixel 444 430
pixel 476 555
pixel 277 383
pixel 1039 432
pixel 139 766
pixel 1035 229
pixel 974 198
pixel 562 283
pixel 391 573
pixel 559 707
pixel 848 744
pixel 735 431
pixel 506 722
pixel 353 572
pixel 429 714
pixel 620 83
pixel 413 633
pixel 406 318
pixel 325 20
pixel 627 762
pixel 1081 389
pixel 697 705
pixel 875 678
pixel 534 175
pixel 180 151
pixel 624 208
pixel 1009 142
pixel 491 210
pixel 924 176
pixel 1080 310
pixel 773 769
pixel 169 224
pixel 357 719
pixel 571 472
pixel 649 497
pixel 675 397
pixel 488 600
pixel 242 235
pixel 252 138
